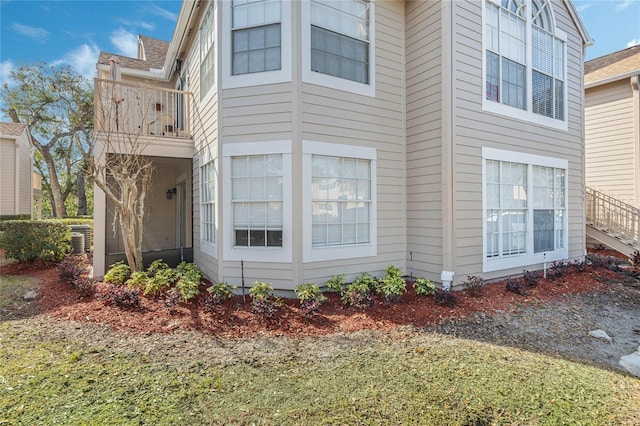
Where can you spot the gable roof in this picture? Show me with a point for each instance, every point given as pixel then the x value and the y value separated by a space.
pixel 12 129
pixel 151 55
pixel 612 67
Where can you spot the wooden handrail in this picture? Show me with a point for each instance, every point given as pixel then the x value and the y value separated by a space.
pixel 617 217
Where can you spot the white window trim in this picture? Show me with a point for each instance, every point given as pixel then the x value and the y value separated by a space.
pixel 207 247
pixel 261 254
pixel 514 112
pixel 528 258
pixel 216 65
pixel 282 75
pixel 319 254
pixel 321 79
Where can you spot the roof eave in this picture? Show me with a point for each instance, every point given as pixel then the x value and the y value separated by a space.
pixel 586 38
pixel 612 79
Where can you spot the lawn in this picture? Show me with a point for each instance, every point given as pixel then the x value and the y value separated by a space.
pixel 442 381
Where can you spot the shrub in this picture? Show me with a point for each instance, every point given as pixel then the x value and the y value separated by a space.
pixel 85 286
pixel 580 265
pixel 117 274
pixel 138 279
pixel 446 298
pixel 218 293
pixel 69 270
pixel 28 240
pixel 156 266
pixel 172 299
pixel 424 287
pixel 474 285
pixel 515 286
pixel 310 298
pixel 263 302
pixel 531 278
pixel 160 281
pixel 392 285
pixel 5 218
pixel 634 260
pixel 336 284
pixel 557 270
pixel 119 295
pixel 189 277
pixel 359 293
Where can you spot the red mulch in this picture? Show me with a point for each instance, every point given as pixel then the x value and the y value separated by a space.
pixel 234 319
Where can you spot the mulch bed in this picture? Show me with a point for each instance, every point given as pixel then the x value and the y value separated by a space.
pixel 234 319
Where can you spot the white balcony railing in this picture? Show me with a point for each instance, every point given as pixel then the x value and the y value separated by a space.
pixel 614 216
pixel 131 108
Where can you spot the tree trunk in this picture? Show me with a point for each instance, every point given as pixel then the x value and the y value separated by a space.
pixel 58 208
pixel 82 195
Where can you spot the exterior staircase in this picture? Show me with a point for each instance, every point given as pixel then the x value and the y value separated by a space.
pixel 612 222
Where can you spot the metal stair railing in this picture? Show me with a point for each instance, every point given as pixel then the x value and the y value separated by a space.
pixel 613 216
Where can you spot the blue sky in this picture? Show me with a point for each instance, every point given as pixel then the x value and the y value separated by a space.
pixel 74 32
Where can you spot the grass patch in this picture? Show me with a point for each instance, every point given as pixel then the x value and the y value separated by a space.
pixel 449 381
pixel 12 288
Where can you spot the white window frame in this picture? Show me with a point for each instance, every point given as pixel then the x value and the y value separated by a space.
pixel 529 257
pixel 514 112
pixel 204 97
pixel 282 75
pixel 319 254
pixel 257 254
pixel 207 247
pixel 343 84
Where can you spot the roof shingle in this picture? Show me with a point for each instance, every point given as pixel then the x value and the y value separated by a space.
pixel 155 52
pixel 12 129
pixel 617 63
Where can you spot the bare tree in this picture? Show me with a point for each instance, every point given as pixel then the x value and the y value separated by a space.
pixel 119 167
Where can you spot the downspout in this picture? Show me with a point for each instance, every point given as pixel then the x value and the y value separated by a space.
pixel 448 157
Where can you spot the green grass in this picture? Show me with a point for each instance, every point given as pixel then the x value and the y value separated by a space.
pixel 447 381
pixel 12 288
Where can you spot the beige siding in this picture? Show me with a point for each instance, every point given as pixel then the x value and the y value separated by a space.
pixel 7 176
pixel 475 128
pixel 25 186
pixel 335 116
pixel 423 136
pixel 610 140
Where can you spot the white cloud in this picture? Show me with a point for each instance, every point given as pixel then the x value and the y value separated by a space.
pixel 633 42
pixel 33 32
pixel 164 13
pixel 5 71
pixel 125 42
pixel 82 59
pixel 623 5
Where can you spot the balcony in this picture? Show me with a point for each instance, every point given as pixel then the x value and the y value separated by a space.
pixel 153 116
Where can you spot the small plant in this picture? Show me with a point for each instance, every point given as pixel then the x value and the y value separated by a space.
pixel 119 295
pixel 634 260
pixel 263 302
pixel 531 278
pixel 580 265
pixel 172 299
pixel 359 293
pixel 85 286
pixel 69 270
pixel 161 280
pixel 156 266
pixel 138 279
pixel 310 298
pixel 336 284
pixel 557 270
pixel 117 274
pixel 392 285
pixel 515 286
pixel 218 293
pixel 424 287
pixel 474 285
pixel 188 285
pixel 446 298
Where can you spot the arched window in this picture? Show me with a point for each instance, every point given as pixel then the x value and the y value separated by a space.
pixel 524 57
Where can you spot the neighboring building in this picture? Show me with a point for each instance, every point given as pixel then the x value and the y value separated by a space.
pixel 612 124
pixel 16 170
pixel 303 139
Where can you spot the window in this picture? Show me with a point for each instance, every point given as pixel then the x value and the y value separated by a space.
pixel 525 209
pixel 339 201
pixel 524 60
pixel 257 209
pixel 340 39
pixel 207 52
pixel 256 194
pixel 208 205
pixel 256 34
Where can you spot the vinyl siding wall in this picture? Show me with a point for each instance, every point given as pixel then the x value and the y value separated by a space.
pixel 475 128
pixel 14 168
pixel 611 151
pixel 424 136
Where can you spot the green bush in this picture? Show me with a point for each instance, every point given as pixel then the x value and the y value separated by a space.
pixel 218 293
pixel 10 217
pixel 424 287
pixel 310 298
pixel 392 285
pixel 28 240
pixel 160 281
pixel 189 280
pixel 118 273
pixel 359 293
pixel 263 302
pixel 336 284
pixel 156 266
pixel 138 280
